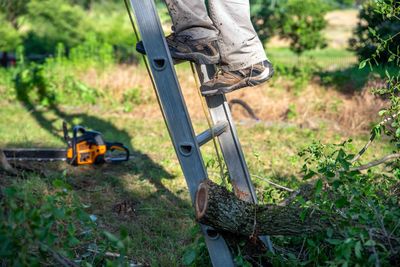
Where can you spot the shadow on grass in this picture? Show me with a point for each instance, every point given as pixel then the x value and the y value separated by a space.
pixel 353 79
pixel 114 180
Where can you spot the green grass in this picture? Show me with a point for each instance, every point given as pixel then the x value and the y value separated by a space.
pixel 161 220
pixel 328 58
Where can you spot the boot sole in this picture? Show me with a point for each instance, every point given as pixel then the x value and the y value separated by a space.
pixel 250 81
pixel 196 57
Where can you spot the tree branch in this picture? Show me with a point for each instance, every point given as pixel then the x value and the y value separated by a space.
pixel 376 162
pixel 372 138
pixel 273 183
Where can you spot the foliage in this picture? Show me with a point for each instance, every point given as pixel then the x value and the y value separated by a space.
pixel 303 22
pixel 299 75
pixel 366 203
pixel 13 11
pixel 47 225
pixel 54 82
pixel 374 27
pixel 69 22
pixel 266 17
pixel 53 22
pixel 10 38
pixel 111 26
pixel 37 86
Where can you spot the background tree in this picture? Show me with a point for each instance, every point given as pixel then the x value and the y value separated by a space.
pixel 266 17
pixel 10 38
pixel 374 26
pixel 53 22
pixel 13 11
pixel 302 24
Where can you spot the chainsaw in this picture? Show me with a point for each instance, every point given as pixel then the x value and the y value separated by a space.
pixel 85 147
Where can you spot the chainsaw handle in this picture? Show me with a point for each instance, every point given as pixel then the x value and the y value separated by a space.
pixel 65 131
pixel 77 129
pixel 118 146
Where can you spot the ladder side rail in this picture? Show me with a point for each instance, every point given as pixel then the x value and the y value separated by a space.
pixel 176 116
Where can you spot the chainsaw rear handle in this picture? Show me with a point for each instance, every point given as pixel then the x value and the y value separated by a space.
pixel 111 146
pixel 75 131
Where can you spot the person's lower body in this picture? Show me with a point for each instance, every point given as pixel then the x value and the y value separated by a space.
pixel 224 34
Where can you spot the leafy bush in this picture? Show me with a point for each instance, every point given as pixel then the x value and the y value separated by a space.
pixel 10 38
pixel 13 10
pixel 53 22
pixel 111 25
pixel 47 225
pixel 266 17
pixel 375 26
pixel 365 229
pixel 47 85
pixel 303 22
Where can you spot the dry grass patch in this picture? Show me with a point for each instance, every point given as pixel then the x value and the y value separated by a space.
pixel 275 102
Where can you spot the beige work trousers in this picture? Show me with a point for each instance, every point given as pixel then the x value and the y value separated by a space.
pixel 228 21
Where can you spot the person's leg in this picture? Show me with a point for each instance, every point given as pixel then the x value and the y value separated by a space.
pixel 239 44
pixel 243 59
pixel 194 36
pixel 190 18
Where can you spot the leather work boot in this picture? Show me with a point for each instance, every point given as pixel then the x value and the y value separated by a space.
pixel 183 47
pixel 228 81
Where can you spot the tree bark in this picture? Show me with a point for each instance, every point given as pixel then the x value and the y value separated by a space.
pixel 4 165
pixel 221 209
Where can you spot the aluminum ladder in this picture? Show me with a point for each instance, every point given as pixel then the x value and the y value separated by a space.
pixel 186 143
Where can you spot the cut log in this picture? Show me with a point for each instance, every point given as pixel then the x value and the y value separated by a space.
pixel 221 209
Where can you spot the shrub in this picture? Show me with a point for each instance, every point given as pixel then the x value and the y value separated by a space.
pixel 10 37
pixel 53 22
pixel 47 225
pixel 302 23
pixel 374 26
pixel 266 17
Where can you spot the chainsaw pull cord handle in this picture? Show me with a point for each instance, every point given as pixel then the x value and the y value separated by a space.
pixel 75 131
pixel 118 146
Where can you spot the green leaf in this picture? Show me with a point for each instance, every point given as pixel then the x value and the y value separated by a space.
pixel 334 241
pixel 382 112
pixel 370 243
pixel 341 202
pixel 309 175
pixel 357 250
pixel 57 183
pixel 310 243
pixel 318 187
pixel 73 241
pixel 189 257
pixel 372 31
pixel 111 237
pixel 329 232
pixel 363 63
pixel 398 132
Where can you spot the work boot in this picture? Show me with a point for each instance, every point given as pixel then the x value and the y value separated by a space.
pixel 228 81
pixel 183 47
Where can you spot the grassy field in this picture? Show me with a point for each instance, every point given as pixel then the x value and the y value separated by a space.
pixel 320 96
pixel 147 195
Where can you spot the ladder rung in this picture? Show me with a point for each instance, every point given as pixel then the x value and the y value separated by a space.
pixel 216 130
